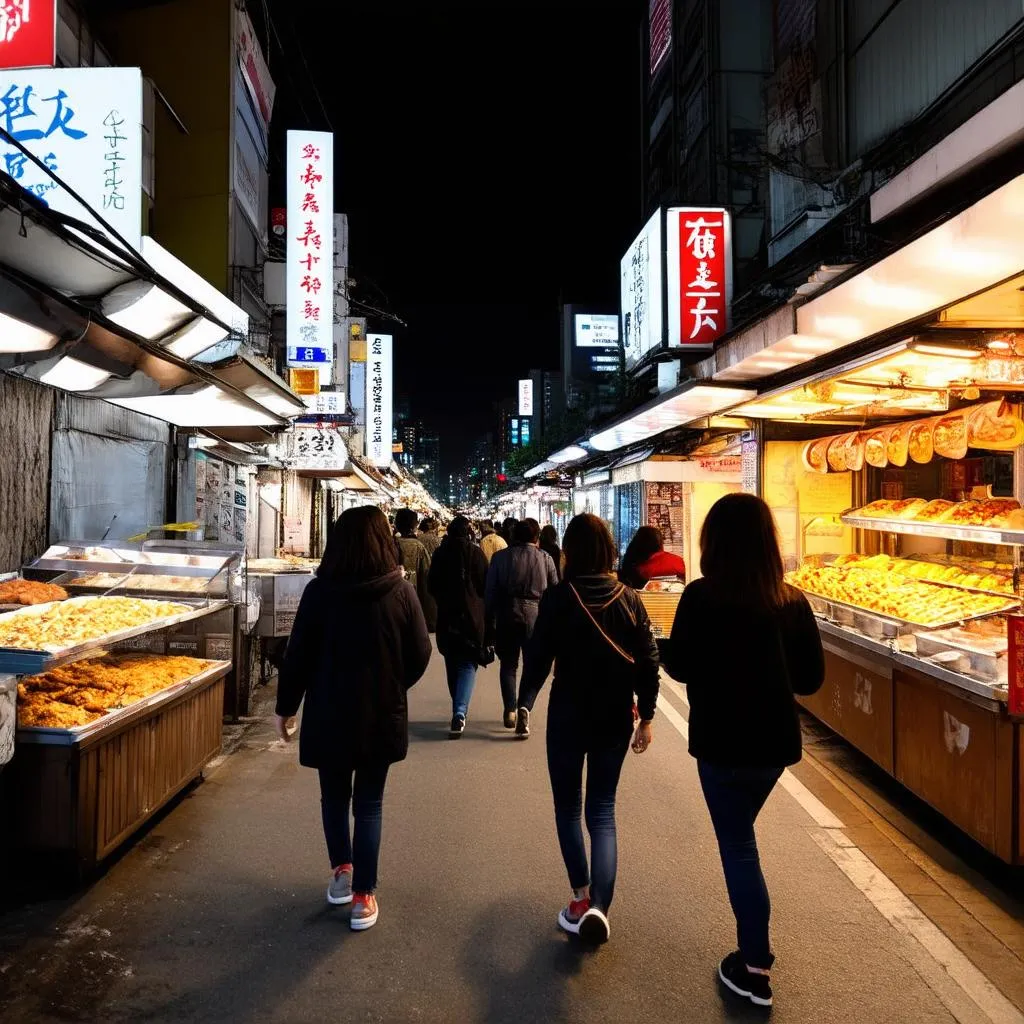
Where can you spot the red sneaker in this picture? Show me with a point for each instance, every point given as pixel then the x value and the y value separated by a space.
pixel 364 911
pixel 569 917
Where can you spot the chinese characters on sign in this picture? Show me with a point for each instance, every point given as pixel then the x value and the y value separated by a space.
pixel 28 37
pixel 319 447
pixel 84 125
pixel 641 274
pixel 378 399
pixel 310 258
pixel 699 276
pixel 526 397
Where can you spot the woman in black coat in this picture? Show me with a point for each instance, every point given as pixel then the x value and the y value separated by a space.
pixel 358 644
pixel 743 642
pixel 458 576
pixel 597 634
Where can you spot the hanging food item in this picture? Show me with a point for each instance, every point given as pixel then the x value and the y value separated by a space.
pixel 815 455
pixel 874 449
pixel 920 443
pixel 896 444
pixel 837 454
pixel 995 427
pixel 950 435
pixel 854 452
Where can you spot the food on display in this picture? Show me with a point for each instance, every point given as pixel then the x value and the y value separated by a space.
pixel 874 450
pixel 81 620
pixel 962 574
pixel 815 455
pixel 919 442
pixel 995 427
pixel 855 452
pixel 896 444
pixel 837 454
pixel 935 511
pixel 987 512
pixel 893 595
pixel 77 694
pixel 993 513
pixel 886 508
pixel 29 592
pixel 950 436
pixel 142 582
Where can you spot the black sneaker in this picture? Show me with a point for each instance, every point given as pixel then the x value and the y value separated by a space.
pixel 458 726
pixel 510 719
pixel 523 723
pixel 733 973
pixel 594 927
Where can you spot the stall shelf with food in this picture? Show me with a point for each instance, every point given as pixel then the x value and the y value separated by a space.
pixel 896 485
pixel 105 736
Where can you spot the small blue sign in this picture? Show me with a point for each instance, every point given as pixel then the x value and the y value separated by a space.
pixel 308 356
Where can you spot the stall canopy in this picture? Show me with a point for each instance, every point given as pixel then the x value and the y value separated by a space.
pixel 81 315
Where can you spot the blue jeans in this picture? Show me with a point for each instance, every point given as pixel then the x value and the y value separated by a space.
pixel 566 755
pixel 336 794
pixel 461 674
pixel 735 797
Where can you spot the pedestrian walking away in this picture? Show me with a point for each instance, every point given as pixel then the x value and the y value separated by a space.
pixel 428 535
pixel 491 542
pixel 744 727
pixel 596 633
pixel 458 576
pixel 358 644
pixel 516 580
pixel 415 560
pixel 508 531
pixel 549 543
pixel 646 559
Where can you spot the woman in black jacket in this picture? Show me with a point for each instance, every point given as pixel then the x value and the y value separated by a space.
pixel 358 644
pixel 743 642
pixel 458 577
pixel 597 634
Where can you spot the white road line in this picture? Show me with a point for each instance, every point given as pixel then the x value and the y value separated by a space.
pixel 945 962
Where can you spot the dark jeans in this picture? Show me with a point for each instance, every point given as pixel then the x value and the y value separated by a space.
pixel 566 755
pixel 735 797
pixel 513 642
pixel 336 794
pixel 461 674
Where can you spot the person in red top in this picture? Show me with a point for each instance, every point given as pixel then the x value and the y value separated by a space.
pixel 646 559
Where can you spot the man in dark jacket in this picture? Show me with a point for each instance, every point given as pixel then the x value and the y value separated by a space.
pixel 415 562
pixel 516 580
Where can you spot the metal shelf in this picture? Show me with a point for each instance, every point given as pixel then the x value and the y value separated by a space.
pixel 943 531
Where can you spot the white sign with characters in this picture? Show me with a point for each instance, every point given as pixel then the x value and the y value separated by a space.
pixel 641 272
pixel 84 125
pixel 378 399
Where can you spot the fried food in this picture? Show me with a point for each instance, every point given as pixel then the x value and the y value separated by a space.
pixel 963 574
pixel 29 592
pixel 143 582
pixel 76 694
pixel 63 625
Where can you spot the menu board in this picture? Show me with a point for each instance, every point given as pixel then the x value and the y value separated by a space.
pixel 665 511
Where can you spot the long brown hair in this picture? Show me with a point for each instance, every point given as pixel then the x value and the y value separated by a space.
pixel 361 546
pixel 588 547
pixel 740 554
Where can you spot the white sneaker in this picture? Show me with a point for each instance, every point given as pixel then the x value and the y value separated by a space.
pixel 364 912
pixel 594 927
pixel 340 890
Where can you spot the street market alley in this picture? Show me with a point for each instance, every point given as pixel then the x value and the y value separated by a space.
pixel 217 913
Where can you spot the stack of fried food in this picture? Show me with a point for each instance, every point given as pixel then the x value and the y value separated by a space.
pixel 989 576
pixel 81 620
pixel 27 592
pixel 81 692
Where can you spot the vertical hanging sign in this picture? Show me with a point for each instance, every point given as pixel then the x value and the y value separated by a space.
pixel 28 33
pixel 378 399
pixel 309 274
pixel 699 276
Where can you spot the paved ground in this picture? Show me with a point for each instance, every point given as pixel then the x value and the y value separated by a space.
pixel 218 913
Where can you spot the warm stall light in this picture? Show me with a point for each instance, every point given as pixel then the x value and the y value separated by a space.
pixel 209 407
pixel 950 351
pixel 194 338
pixel 143 309
pixel 18 336
pixel 573 453
pixel 1001 346
pixel 73 375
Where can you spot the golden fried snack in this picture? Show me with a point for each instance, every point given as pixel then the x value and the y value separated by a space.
pixel 29 592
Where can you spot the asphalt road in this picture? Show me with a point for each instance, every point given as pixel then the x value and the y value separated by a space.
pixel 218 913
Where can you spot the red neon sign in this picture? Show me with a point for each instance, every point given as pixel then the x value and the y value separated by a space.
pixel 28 33
pixel 700 276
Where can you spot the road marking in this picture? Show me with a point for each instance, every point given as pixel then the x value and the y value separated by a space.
pixel 945 961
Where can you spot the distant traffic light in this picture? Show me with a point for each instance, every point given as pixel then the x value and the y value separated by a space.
pixel 501 478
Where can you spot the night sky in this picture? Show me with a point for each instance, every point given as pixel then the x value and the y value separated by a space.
pixel 488 159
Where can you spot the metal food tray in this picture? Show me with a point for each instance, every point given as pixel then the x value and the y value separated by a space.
pixel 119 716
pixel 944 531
pixel 990 666
pixel 22 661
pixel 885 626
pixel 71 581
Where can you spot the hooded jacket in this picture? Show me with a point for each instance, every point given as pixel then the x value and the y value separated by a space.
pixel 354 651
pixel 458 573
pixel 594 682
pixel 516 580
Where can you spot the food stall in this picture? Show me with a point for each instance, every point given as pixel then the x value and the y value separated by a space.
pixel 119 704
pixel 896 482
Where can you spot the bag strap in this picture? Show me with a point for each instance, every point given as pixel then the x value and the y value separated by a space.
pixel 597 625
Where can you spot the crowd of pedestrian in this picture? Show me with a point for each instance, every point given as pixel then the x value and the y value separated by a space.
pixel 509 591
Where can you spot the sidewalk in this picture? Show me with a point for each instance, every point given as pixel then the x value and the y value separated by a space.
pixel 218 914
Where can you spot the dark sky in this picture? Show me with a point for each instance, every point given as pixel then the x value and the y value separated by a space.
pixel 488 159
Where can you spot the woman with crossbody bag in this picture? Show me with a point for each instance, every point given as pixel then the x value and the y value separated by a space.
pixel 743 642
pixel 596 633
